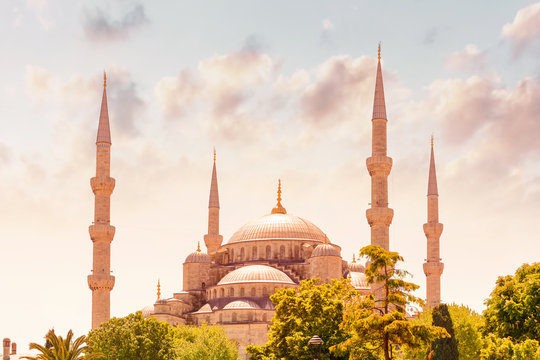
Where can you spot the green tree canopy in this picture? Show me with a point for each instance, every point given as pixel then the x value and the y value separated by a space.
pixel 513 308
pixel 467 328
pixel 58 348
pixel 444 348
pixel 203 342
pixel 134 337
pixel 312 309
pixel 380 329
pixel 507 349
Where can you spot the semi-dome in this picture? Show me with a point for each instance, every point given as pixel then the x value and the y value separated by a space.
pixel 325 250
pixel 198 257
pixel 241 304
pixel 256 273
pixel 355 267
pixel 358 280
pixel 278 226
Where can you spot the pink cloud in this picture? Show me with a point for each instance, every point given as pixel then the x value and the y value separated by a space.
pixel 470 59
pixel 524 27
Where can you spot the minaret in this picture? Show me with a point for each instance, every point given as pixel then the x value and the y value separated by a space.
pixel 101 282
pixel 433 267
pixel 379 216
pixel 213 239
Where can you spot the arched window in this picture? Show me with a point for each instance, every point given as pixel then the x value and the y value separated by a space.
pixel 242 254
pixel 254 253
pixel 250 317
pixel 265 291
pixel 268 252
pixel 253 292
pixel 296 252
pixel 264 317
pixel 231 256
pixel 215 293
pixel 221 317
pixel 231 292
pixel 282 252
pixel 241 291
pixel 203 286
pixel 234 317
pixel 222 292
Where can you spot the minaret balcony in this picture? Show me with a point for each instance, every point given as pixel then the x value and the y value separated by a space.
pixel 433 230
pixel 101 232
pixel 102 185
pixel 379 165
pixel 433 268
pixel 101 282
pixel 379 216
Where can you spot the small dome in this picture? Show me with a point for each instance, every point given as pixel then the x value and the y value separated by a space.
pixel 147 311
pixel 358 280
pixel 325 250
pixel 198 257
pixel 356 267
pixel 205 309
pixel 241 304
pixel 256 273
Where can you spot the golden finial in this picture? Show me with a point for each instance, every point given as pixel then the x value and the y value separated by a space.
pixel 353 259
pixel 198 246
pixel 279 209
pixel 325 239
pixel 104 79
pixel 158 290
pixel 214 155
pixel 432 141
pixel 379 56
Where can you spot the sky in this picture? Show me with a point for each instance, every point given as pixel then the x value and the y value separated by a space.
pixel 283 90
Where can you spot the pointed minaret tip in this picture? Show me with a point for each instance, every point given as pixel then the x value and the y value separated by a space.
pixel 214 193
pixel 158 290
pixel 104 131
pixel 379 106
pixel 279 209
pixel 432 182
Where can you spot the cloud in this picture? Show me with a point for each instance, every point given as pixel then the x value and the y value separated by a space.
pixel 38 82
pixel 39 8
pixel 469 59
pixel 98 26
pixel 525 27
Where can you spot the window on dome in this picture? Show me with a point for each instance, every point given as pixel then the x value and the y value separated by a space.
pixel 234 317
pixel 242 254
pixel 241 291
pixel 222 292
pixel 268 252
pixel 253 292
pixel 231 292
pixel 297 252
pixel 254 253
pixel 282 252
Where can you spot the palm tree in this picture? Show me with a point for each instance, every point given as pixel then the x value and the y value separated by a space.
pixel 58 348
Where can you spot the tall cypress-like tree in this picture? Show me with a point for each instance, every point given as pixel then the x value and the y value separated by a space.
pixel 444 348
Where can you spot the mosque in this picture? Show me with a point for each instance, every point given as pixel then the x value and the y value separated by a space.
pixel 231 282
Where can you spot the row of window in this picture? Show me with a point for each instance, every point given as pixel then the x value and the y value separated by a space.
pixel 234 317
pixel 285 252
pixel 231 292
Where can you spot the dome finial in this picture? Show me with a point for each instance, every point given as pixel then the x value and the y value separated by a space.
pixel 379 56
pixel 158 290
pixel 214 155
pixel 279 209
pixel 325 239
pixel 104 79
pixel 432 141
pixel 353 259
pixel 198 246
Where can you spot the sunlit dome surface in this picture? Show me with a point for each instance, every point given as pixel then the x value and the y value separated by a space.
pixel 278 226
pixel 325 250
pixel 256 273
pixel 358 280
pixel 242 304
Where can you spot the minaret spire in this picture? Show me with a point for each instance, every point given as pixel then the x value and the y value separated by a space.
pixel 379 215
pixel 433 267
pixel 213 239
pixel 279 209
pixel 101 282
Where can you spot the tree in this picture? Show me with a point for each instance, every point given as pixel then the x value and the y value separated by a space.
pixel 507 349
pixel 203 342
pixel 467 328
pixel 133 337
pixel 381 329
pixel 312 309
pixel 513 308
pixel 61 349
pixel 444 348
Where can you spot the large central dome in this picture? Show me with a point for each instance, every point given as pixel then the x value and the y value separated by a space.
pixel 278 226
